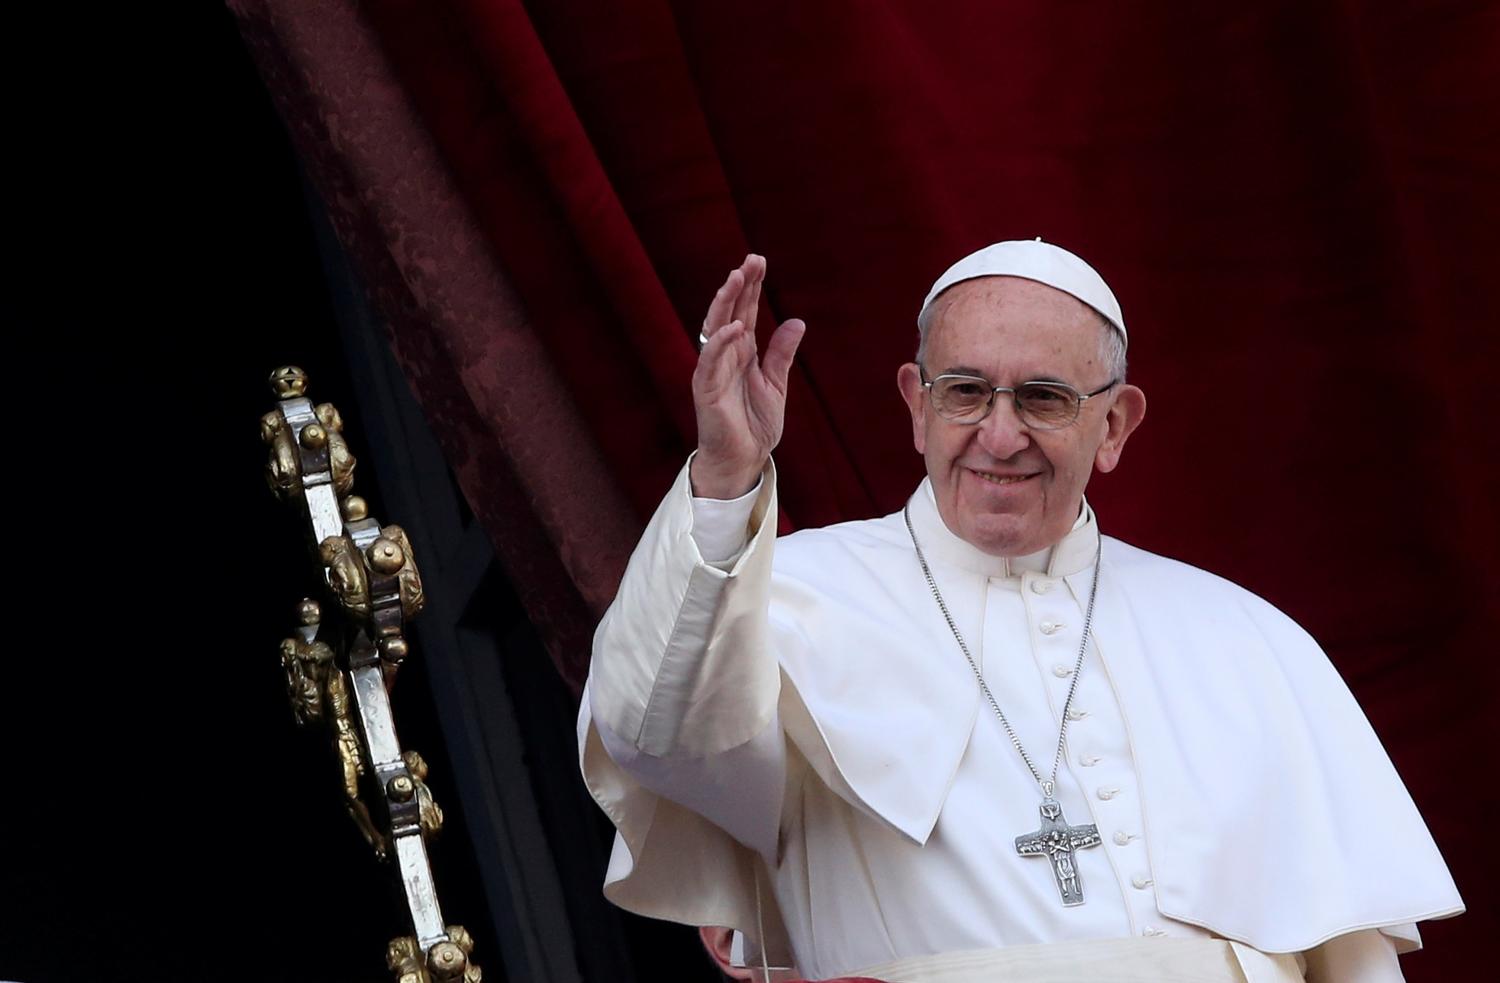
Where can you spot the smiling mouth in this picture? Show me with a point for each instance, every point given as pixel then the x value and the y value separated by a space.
pixel 1001 479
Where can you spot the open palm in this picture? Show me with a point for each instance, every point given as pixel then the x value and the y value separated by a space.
pixel 740 400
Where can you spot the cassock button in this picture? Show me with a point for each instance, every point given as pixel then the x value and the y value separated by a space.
pixel 1041 586
pixel 1151 932
pixel 1122 838
pixel 1050 627
pixel 1077 714
pixel 1140 883
pixel 1089 760
pixel 1061 671
pixel 1108 793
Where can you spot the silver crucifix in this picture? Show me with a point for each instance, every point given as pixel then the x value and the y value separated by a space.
pixel 1057 840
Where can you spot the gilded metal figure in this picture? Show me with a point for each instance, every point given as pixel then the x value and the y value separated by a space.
pixel 284 468
pixel 431 813
pixel 350 750
pixel 404 958
pixel 347 575
pixel 447 962
pixel 307 666
pixel 412 597
pixel 340 461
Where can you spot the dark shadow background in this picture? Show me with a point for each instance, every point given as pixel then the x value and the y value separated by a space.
pixel 164 818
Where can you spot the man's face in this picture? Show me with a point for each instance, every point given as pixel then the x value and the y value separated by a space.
pixel 1001 486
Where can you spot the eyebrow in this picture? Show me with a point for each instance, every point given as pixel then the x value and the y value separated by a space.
pixel 979 374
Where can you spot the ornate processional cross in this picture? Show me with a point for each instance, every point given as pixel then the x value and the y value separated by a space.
pixel 1056 840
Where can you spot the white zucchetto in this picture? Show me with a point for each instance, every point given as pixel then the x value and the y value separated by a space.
pixel 1033 259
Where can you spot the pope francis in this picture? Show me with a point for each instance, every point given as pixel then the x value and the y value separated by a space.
pixel 977 738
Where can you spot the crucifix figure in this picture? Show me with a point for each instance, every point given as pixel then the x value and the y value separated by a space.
pixel 1057 840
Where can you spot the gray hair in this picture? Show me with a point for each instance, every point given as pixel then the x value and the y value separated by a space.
pixel 1111 344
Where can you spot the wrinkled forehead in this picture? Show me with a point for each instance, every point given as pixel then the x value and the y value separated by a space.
pixel 1012 327
pixel 1009 298
pixel 1038 261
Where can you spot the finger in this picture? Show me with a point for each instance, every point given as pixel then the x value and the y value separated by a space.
pixel 747 304
pixel 720 359
pixel 752 304
pixel 743 345
pixel 781 349
pixel 720 309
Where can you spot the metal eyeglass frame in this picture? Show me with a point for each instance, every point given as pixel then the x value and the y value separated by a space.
pixel 989 407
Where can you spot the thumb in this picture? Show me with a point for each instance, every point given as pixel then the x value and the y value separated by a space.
pixel 780 350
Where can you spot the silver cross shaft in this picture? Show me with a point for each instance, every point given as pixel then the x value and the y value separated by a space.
pixel 1056 840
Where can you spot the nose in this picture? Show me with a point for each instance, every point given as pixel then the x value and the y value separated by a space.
pixel 1002 434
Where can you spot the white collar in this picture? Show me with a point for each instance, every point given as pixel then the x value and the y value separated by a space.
pixel 1072 554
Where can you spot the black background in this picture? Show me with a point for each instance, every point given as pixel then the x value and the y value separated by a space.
pixel 164 819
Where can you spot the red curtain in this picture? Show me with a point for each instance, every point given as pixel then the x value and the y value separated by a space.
pixel 1295 202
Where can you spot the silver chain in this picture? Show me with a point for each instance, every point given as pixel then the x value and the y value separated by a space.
pixel 1048 785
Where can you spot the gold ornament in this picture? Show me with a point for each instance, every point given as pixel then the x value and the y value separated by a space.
pixel 400 789
pixel 346 575
pixel 288 382
pixel 412 597
pixel 431 815
pixel 449 961
pixel 393 650
pixel 403 958
pixel 284 468
pixel 385 556
pixel 354 508
pixel 340 461
pixel 350 751
pixel 314 437
pixel 307 666
pixel 447 965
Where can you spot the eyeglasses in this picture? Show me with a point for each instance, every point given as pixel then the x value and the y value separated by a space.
pixel 968 399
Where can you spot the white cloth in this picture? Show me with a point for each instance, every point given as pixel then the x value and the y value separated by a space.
pixel 1239 791
pixel 1098 961
pixel 1033 259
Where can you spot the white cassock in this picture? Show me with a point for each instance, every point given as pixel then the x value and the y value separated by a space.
pixel 790 743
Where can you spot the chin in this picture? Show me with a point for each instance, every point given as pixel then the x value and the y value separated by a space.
pixel 1003 537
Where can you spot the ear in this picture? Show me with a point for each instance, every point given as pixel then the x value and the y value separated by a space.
pixel 1125 414
pixel 717 940
pixel 909 381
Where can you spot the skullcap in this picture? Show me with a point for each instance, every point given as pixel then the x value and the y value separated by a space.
pixel 1033 259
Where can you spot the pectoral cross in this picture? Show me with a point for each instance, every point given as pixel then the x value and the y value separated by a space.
pixel 1056 840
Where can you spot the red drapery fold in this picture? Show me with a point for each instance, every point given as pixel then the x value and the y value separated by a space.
pixel 1294 202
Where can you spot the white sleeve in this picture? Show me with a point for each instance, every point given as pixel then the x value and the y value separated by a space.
pixel 739 790
pixel 683 685
pixel 720 526
pixel 1359 957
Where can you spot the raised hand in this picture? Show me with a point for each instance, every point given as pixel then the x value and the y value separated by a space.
pixel 740 400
